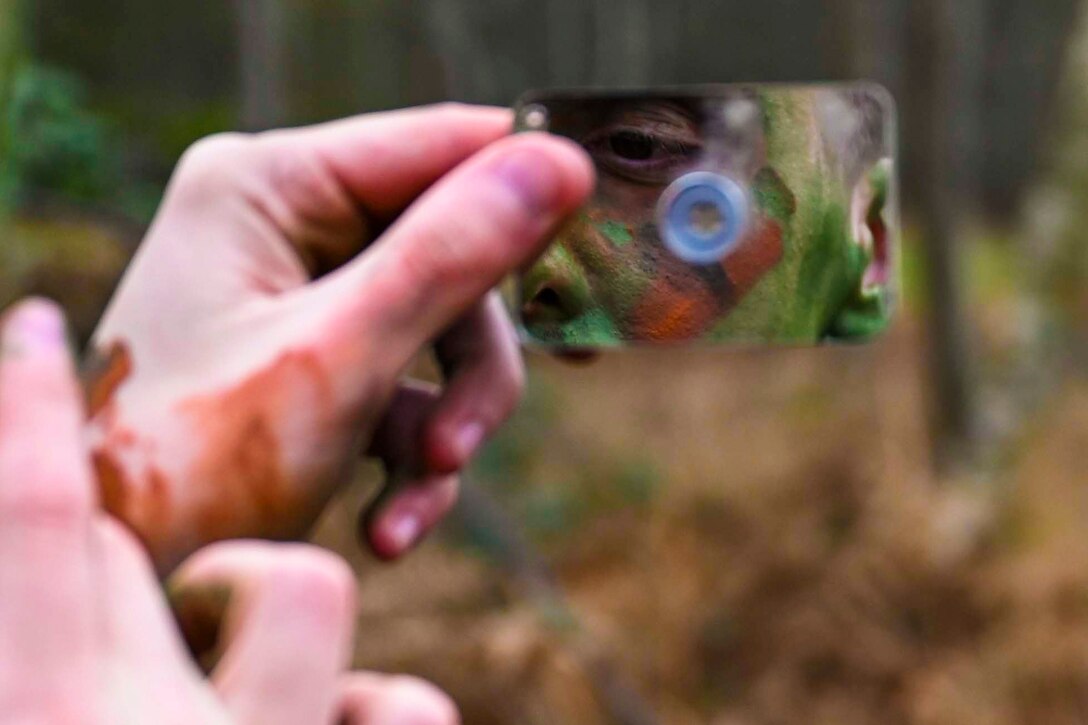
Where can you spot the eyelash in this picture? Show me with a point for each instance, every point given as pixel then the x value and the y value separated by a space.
pixel 665 153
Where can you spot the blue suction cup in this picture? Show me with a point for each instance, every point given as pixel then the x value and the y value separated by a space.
pixel 702 216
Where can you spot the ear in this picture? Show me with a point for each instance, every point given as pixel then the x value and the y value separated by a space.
pixel 867 310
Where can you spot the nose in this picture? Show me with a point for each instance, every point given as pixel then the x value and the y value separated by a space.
pixel 553 292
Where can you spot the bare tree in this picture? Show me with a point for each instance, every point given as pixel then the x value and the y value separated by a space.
pixel 666 21
pixel 569 41
pixel 262 59
pixel 622 42
pixel 956 32
pixel 877 31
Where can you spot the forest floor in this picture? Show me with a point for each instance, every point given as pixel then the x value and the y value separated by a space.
pixel 756 538
pixel 738 538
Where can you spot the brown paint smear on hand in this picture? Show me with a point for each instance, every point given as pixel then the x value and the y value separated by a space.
pixel 238 485
pixel 103 375
pixel 243 484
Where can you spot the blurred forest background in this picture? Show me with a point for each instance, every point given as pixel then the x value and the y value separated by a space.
pixel 890 534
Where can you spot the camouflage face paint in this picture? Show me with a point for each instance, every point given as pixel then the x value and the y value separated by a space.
pixel 617 232
pixel 798 274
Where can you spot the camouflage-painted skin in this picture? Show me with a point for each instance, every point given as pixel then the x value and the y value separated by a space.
pixel 813 265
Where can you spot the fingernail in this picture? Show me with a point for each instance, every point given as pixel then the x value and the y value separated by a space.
pixel 34 326
pixel 468 438
pixel 405 530
pixel 531 175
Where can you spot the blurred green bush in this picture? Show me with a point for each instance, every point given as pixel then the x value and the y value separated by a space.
pixel 55 145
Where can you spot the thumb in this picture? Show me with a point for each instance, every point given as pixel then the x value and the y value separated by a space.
pixel 490 216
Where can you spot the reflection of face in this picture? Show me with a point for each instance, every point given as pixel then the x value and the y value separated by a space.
pixel 608 278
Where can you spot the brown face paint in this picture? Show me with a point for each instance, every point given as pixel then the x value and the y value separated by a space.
pixel 756 256
pixel 669 314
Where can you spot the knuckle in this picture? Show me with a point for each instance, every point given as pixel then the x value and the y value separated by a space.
pixel 321 580
pixel 438 499
pixel 38 388
pixel 213 157
pixel 300 179
pixel 451 109
pixel 467 246
pixel 421 702
pixel 311 201
pixel 457 131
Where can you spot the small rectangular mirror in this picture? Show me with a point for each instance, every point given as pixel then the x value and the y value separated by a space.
pixel 745 214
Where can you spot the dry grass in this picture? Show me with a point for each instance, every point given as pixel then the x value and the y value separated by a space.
pixel 789 561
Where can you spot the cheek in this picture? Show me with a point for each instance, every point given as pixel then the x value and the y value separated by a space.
pixel 649 294
pixel 633 203
pixel 672 312
pixel 757 255
pixel 610 247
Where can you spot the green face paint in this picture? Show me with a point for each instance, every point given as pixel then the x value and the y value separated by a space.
pixel 616 232
pixel 809 257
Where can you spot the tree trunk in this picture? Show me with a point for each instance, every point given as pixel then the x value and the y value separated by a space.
pixel 454 28
pixel 877 31
pixel 262 57
pixel 622 42
pixel 569 42
pixel 950 190
pixel 11 49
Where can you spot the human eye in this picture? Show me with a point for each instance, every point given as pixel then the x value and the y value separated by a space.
pixel 646 152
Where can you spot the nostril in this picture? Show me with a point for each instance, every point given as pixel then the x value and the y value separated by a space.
pixel 548 297
pixel 551 301
pixel 554 291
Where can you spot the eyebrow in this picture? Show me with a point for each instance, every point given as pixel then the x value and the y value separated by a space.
pixel 664 110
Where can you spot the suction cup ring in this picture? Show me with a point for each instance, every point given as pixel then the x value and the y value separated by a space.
pixel 702 216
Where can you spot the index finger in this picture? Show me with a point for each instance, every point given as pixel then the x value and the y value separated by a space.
pixel 46 504
pixel 385 160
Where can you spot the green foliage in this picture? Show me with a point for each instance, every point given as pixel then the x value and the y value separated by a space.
pixel 10 56
pixel 636 482
pixel 55 144
pixel 175 134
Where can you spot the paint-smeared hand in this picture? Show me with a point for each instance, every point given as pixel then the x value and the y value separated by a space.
pixel 85 632
pixel 259 338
